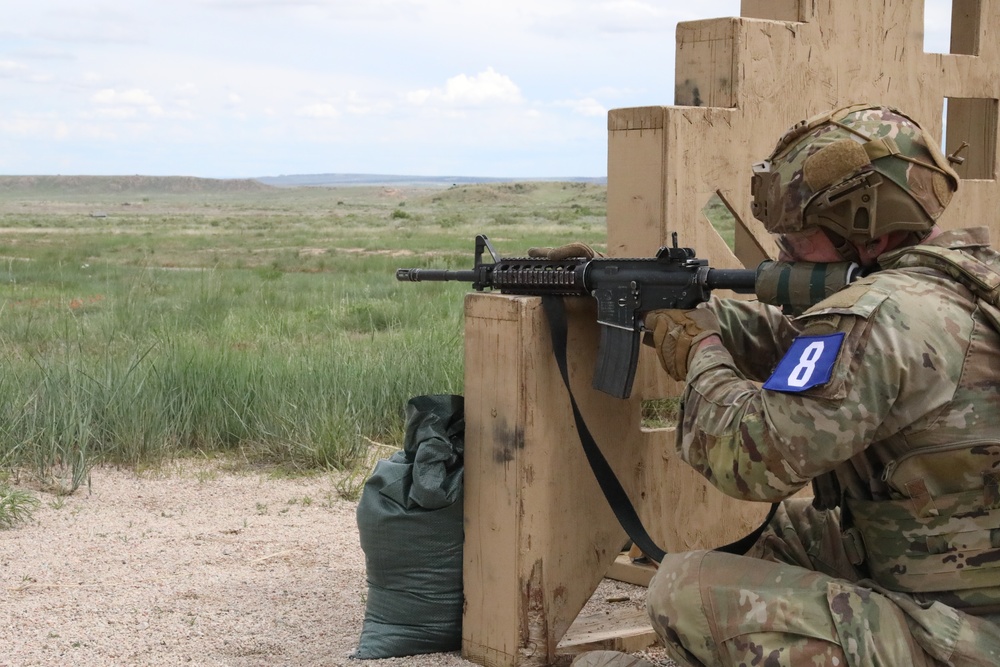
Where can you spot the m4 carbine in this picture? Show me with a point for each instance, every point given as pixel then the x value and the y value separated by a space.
pixel 625 289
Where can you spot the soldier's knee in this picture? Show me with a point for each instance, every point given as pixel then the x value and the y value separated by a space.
pixel 675 587
pixel 674 604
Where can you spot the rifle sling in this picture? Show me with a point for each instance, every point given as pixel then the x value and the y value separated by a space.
pixel 555 311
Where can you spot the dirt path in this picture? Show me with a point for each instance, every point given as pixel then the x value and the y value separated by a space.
pixel 197 566
pixel 189 567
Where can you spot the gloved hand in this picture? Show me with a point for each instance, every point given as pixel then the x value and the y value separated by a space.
pixel 575 249
pixel 676 333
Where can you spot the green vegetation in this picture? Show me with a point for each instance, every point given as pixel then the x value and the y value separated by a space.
pixel 145 319
pixel 660 412
pixel 722 219
pixel 16 505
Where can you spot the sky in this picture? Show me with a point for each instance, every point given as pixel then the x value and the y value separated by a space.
pixel 251 88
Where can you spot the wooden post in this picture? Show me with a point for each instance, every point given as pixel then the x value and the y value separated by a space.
pixel 539 534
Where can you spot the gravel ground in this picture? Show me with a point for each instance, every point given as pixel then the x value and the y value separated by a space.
pixel 194 565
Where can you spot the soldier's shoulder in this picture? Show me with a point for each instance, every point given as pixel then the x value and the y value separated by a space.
pixel 907 289
pixel 861 298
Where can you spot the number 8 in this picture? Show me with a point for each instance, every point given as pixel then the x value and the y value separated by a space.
pixel 800 375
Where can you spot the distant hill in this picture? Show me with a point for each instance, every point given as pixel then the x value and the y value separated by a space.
pixel 93 185
pixel 334 180
pixel 152 185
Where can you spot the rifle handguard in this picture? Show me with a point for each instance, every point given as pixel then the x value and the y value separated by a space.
pixel 625 288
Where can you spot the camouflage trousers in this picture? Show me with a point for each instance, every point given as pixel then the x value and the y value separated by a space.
pixel 796 599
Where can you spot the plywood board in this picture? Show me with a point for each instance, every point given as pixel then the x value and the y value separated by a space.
pixel 539 533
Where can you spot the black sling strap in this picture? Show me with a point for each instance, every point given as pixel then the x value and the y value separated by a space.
pixel 619 501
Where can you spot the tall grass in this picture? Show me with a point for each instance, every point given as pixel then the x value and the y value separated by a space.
pixel 298 368
pixel 306 408
pixel 277 336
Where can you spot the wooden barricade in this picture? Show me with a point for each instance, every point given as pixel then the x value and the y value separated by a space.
pixel 539 534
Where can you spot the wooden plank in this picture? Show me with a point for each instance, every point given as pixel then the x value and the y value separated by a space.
pixel 626 570
pixel 966 26
pixel 627 630
pixel 974 121
pixel 539 534
pixel 637 136
pixel 490 631
pixel 705 64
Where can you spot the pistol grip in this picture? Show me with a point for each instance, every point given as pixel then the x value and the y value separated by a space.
pixel 617 358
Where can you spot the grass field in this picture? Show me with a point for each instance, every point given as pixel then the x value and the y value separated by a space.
pixel 144 319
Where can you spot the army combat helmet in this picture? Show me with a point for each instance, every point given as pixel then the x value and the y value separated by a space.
pixel 857 173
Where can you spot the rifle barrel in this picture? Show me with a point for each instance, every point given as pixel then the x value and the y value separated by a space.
pixel 741 281
pixel 418 275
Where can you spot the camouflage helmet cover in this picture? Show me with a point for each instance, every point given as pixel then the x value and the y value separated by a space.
pixel 860 171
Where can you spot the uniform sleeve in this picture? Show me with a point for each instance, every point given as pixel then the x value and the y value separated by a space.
pixel 760 444
pixel 760 332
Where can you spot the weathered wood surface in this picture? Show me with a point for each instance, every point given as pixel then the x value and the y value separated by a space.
pixel 539 535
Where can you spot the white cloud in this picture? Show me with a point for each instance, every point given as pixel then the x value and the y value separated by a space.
pixel 26 127
pixel 134 97
pixel 488 87
pixel 359 105
pixel 49 128
pixel 18 71
pixel 117 113
pixel 321 110
pixel 329 85
pixel 631 16
pixel 10 68
pixel 616 17
pixel 61 131
pixel 587 106
pixel 126 104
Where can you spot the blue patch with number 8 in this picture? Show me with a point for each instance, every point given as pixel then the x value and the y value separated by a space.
pixel 807 364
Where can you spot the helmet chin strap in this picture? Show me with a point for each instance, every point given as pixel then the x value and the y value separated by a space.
pixel 844 248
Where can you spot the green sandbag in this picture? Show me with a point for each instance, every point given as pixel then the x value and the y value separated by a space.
pixel 410 522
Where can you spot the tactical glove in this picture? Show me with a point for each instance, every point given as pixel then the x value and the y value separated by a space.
pixel 575 249
pixel 676 333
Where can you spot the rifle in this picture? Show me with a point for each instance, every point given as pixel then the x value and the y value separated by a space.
pixel 625 289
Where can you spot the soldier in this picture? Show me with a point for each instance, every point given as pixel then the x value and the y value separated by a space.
pixel 884 396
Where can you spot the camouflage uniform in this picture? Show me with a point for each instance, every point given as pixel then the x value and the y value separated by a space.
pixel 903 442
